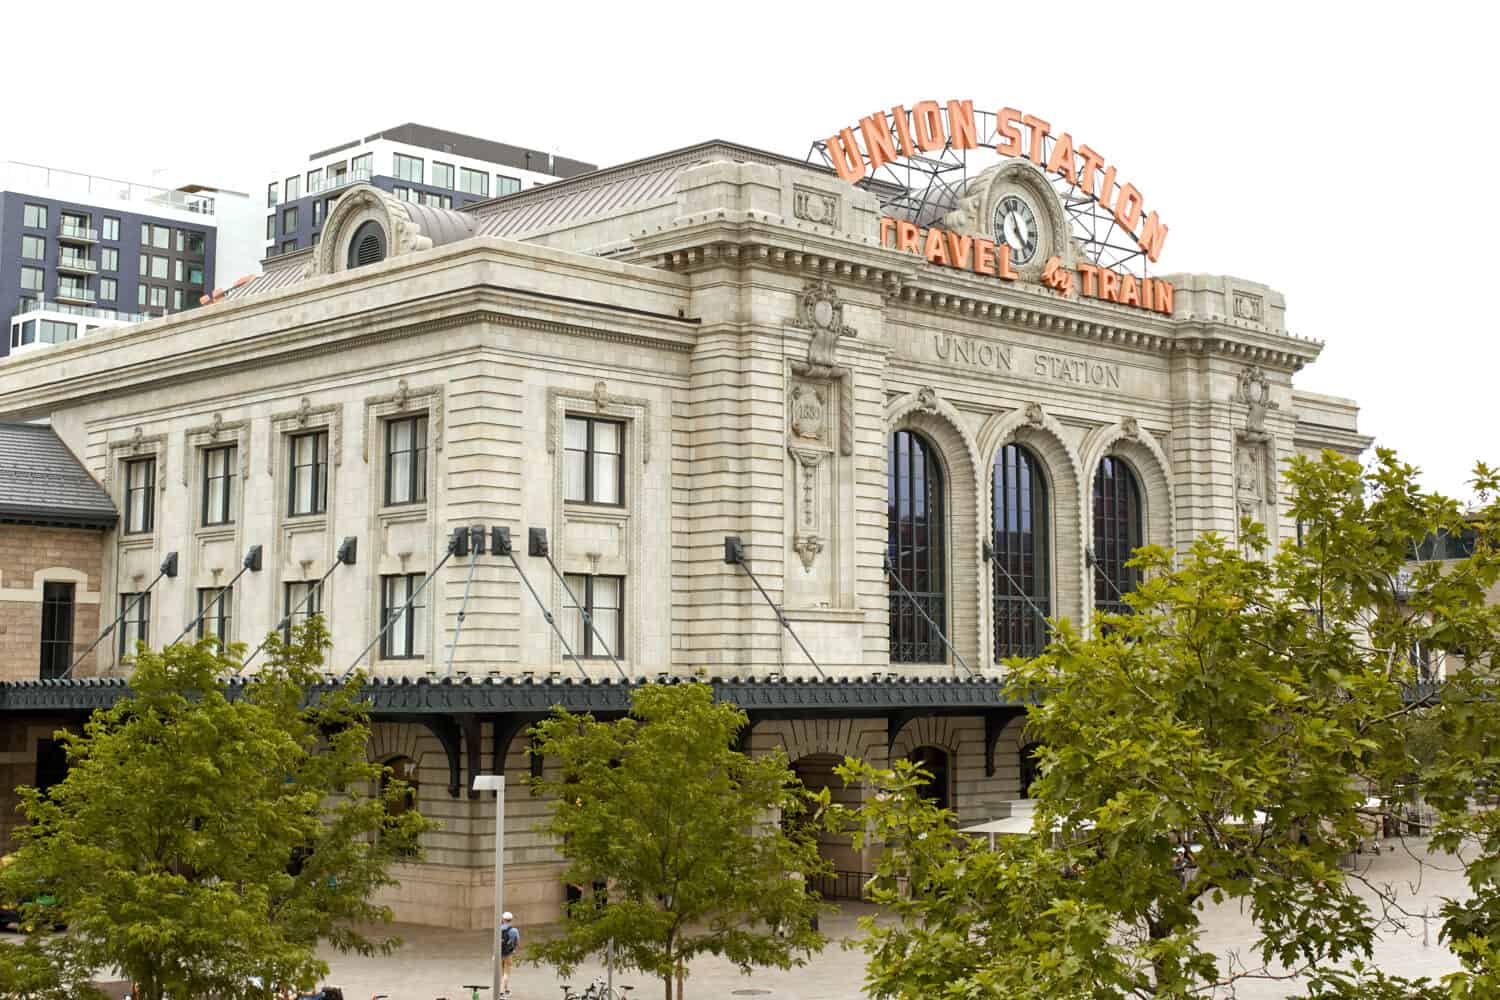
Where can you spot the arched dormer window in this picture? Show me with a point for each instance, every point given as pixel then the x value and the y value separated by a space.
pixel 1117 533
pixel 368 245
pixel 916 549
pixel 1020 570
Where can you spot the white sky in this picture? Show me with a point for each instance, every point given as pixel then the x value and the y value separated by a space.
pixel 1343 157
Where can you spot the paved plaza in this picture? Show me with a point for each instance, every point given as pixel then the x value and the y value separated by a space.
pixel 436 963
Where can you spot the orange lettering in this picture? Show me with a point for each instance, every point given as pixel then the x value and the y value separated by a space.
pixel 903 129
pixel 1128 208
pixel 1107 189
pixel 1152 237
pixel 1091 161
pixel 1006 271
pixel 886 225
pixel 1109 285
pixel 880 145
pixel 1164 297
pixel 960 250
pixel 937 247
pixel 1010 136
pixel 961 130
pixel 1061 160
pixel 984 256
pixel 1130 293
pixel 1039 129
pixel 844 152
pixel 1090 274
pixel 927 118
pixel 908 237
pixel 1145 293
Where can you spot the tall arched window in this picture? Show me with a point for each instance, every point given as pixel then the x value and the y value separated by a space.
pixel 934 760
pixel 915 548
pixel 1117 533
pixel 1022 584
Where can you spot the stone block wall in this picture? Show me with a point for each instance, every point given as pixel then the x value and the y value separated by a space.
pixel 30 557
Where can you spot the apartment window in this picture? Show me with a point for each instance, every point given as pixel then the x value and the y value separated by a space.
pixel 53 332
pixel 140 496
pixel 442 175
pixel 293 188
pixel 401 193
pixel 161 237
pixel 406 639
pixel 270 227
pixel 308 481
pixel 317 207
pixel 214 611
pixel 506 185
pixel 111 228
pixel 194 243
pixel 109 259
pixel 177 300
pixel 195 274
pixel 362 166
pixel 315 239
pixel 181 240
pixel 303 600
pixel 32 278
pixel 177 268
pixel 140 295
pixel 108 289
pixel 408 168
pixel 290 246
pixel 272 190
pixel 603 599
pixel 289 220
pixel 24 333
pixel 474 182
pixel 135 626
pixel 406 460
pixel 158 296
pixel 145 267
pixel 33 248
pixel 313 179
pixel 593 470
pixel 57 629
pixel 34 217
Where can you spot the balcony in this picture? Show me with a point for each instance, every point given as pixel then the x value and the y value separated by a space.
pixel 76 293
pixel 339 180
pixel 77 265
pixel 77 233
pixel 44 306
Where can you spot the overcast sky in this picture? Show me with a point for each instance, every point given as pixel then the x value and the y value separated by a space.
pixel 1346 159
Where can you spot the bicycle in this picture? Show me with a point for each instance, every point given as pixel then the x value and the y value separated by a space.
pixel 473 989
pixel 597 990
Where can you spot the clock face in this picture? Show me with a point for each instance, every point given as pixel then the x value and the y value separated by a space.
pixel 1016 227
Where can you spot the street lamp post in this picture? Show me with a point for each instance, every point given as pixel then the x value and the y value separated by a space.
pixel 496 783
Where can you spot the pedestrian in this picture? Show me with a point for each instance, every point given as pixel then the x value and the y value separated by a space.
pixel 510 940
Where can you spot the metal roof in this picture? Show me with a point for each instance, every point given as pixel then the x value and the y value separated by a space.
pixel 42 483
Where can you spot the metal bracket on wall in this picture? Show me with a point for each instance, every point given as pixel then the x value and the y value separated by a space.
pixel 451 738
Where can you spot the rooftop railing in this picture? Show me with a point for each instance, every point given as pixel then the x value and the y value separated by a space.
pixel 88 312
pixel 87 187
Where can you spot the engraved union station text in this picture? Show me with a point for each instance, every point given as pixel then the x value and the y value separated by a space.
pixel 1006 359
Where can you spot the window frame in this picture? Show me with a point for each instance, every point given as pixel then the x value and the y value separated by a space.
pixel 273 194
pixel 416 479
pixel 1111 530
pixel 389 602
pixel 113 286
pixel 226 508
pixel 56 651
pixel 30 241
pixel 401 168
pixel 451 183
pixel 1018 473
pixel 141 622
pixel 290 602
pixel 223 599
pixel 147 499
pixel 109 259
pixel 319 465
pixel 33 216
pixel 589 453
pixel 109 228
pixel 616 642
pixel 41 279
pixel 927 582
pixel 464 173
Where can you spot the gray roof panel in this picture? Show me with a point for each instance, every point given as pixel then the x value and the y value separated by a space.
pixel 42 483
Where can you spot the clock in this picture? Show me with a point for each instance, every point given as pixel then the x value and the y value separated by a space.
pixel 1016 227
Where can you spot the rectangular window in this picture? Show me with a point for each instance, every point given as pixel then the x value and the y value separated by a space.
pixel 270 227
pixel 135 627
pixel 442 175
pixel 603 599
pixel 290 246
pixel 140 295
pixel 32 278
pixel 293 188
pixel 317 207
pixel 408 168
pixel 308 480
pixel 506 185
pixel 177 269
pixel 161 237
pixel 303 600
pixel 593 466
pixel 271 195
pixel 406 639
pixel 109 259
pixel 474 182
pixel 57 629
pixel 314 180
pixel 111 228
pixel 159 296
pixel 108 289
pixel 177 300
pixel 53 332
pixel 289 220
pixel 194 243
pixel 34 217
pixel 140 496
pixel 362 167
pixel 145 264
pixel 401 192
pixel 145 234
pixel 406 460
pixel 214 607
pixel 195 274
pixel 33 248
pixel 181 240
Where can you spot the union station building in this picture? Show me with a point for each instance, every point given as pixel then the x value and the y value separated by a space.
pixel 920 463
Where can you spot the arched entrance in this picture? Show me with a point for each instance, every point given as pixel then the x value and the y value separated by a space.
pixel 938 789
pixel 815 771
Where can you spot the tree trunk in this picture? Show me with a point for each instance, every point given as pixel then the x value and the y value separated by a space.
pixel 681 970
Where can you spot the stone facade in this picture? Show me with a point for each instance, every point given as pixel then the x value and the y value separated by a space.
pixel 31 556
pixel 736 313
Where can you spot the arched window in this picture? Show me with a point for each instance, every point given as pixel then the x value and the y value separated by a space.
pixel 1117 533
pixel 1031 769
pixel 1022 584
pixel 916 549
pixel 933 760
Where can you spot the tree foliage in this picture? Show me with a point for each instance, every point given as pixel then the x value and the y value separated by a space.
pixel 1251 706
pixel 206 835
pixel 683 829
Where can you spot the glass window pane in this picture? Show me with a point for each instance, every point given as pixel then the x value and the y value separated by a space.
pixel 575 471
pixel 607 437
pixel 576 433
pixel 572 621
pixel 606 478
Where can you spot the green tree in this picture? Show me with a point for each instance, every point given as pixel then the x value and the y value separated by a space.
pixel 1249 706
pixel 206 835
pixel 683 829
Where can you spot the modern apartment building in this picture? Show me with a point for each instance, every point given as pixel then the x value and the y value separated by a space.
pixel 79 252
pixel 416 163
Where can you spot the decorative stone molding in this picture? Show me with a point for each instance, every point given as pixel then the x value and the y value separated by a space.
pixel 360 204
pixel 138 445
pixel 1152 468
pixel 820 311
pixel 808 540
pixel 405 399
pixel 818 207
pixel 809 412
pixel 309 417
pixel 1033 414
pixel 1248 307
pixel 217 431
pixel 1254 392
pixel 603 403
